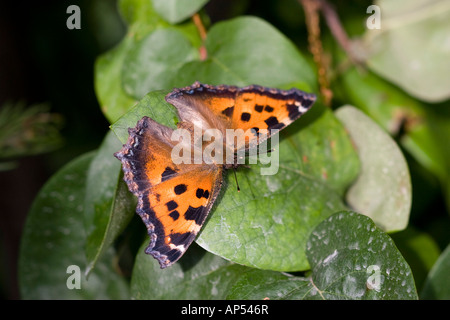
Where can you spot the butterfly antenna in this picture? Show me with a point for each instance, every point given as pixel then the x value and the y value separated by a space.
pixel 235 178
pixel 267 151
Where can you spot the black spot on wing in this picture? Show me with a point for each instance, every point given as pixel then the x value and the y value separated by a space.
pixel 293 111
pixel 245 116
pixel 174 215
pixel 268 108
pixel 182 238
pixel 307 103
pixel 259 108
pixel 171 205
pixel 173 255
pixel 255 130
pixel 167 174
pixel 272 123
pixel 200 193
pixel 278 126
pixel 180 189
pixel 228 111
pixel 195 214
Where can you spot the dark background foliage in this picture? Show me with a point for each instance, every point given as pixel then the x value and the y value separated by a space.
pixel 41 61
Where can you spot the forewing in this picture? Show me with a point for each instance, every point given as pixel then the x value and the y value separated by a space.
pixel 173 199
pixel 252 110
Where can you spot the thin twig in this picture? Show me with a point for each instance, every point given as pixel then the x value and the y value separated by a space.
pixel 202 32
pixel 336 28
pixel 200 27
pixel 311 8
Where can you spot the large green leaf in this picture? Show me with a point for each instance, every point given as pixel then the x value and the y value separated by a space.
pixel 350 257
pixel 437 285
pixel 266 224
pixel 419 249
pixel 202 275
pixel 255 284
pixel 115 94
pixel 248 50
pixel 421 130
pixel 437 124
pixel 153 105
pixel 108 204
pixel 113 99
pixel 175 11
pixel 411 47
pixel 383 188
pixel 153 61
pixel 167 58
pixel 198 275
pixel 353 259
pixel 397 113
pixel 53 242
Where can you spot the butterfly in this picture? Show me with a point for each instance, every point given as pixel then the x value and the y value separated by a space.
pixel 174 198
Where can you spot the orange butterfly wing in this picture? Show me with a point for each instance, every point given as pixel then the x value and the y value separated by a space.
pixel 253 107
pixel 173 200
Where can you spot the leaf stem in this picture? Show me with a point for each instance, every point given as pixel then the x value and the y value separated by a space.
pixel 202 32
pixel 311 8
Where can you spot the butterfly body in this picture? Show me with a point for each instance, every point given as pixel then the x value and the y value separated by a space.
pixel 175 197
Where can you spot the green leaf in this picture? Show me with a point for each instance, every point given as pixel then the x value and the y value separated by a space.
pixel 384 103
pixel 352 259
pixel 248 50
pixel 437 285
pixel 202 275
pixel 175 11
pixel 383 188
pixel 430 145
pixel 114 101
pixel 53 241
pixel 140 15
pixel 420 129
pixel 108 204
pixel 410 48
pixel 154 60
pixel 115 95
pixel 254 284
pixel 419 249
pixel 152 105
pixel 397 113
pixel 198 275
pixel 147 59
